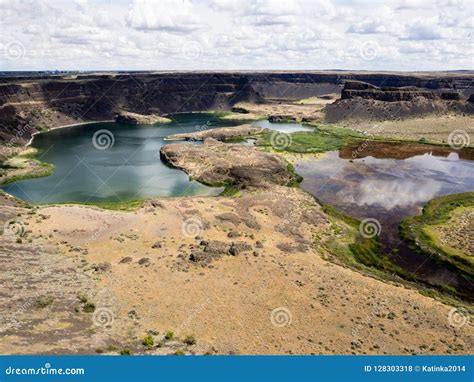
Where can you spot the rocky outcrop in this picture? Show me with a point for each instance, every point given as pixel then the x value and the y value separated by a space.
pixel 361 100
pixel 354 89
pixel 210 250
pixel 139 119
pixel 220 134
pixel 282 118
pixel 223 164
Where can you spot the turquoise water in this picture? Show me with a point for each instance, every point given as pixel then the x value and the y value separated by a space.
pixel 89 169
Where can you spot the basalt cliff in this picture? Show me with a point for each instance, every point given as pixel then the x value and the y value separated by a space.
pixel 41 102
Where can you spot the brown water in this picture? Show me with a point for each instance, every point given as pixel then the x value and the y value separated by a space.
pixel 389 182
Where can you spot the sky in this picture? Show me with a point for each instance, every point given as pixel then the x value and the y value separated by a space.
pixel 236 35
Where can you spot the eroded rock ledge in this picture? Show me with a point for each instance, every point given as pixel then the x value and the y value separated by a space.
pixel 139 119
pixel 222 164
pixel 220 134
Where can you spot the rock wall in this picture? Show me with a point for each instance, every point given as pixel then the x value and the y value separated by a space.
pixel 42 102
pixel 354 89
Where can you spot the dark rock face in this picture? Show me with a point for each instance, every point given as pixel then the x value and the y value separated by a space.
pixel 361 100
pixel 281 118
pixel 240 110
pixel 50 101
pixel 354 89
pixel 450 96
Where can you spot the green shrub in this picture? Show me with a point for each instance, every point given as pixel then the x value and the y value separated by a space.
pixel 148 342
pixel 189 340
pixel 169 334
pixel 88 307
pixel 44 301
pixel 125 352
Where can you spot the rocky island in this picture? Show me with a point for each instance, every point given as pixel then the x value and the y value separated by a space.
pixel 139 119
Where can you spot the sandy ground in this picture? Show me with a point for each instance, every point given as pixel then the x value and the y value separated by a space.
pixel 300 110
pixel 432 128
pixel 279 297
pixel 457 233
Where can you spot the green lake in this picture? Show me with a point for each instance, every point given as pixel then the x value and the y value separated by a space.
pixel 111 162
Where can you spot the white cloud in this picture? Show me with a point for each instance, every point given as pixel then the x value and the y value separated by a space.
pixel 231 34
pixel 166 15
pixel 423 29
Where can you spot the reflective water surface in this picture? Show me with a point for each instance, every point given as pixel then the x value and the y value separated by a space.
pixel 129 169
pixel 389 190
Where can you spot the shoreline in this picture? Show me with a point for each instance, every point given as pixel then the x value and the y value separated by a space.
pixel 61 127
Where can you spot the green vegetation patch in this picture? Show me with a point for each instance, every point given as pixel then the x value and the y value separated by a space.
pixel 24 166
pixel 418 231
pixel 189 340
pixel 44 301
pixel 148 342
pixel 347 247
pixel 126 205
pixel 323 138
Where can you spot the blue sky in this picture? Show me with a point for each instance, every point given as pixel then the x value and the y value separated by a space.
pixel 223 34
